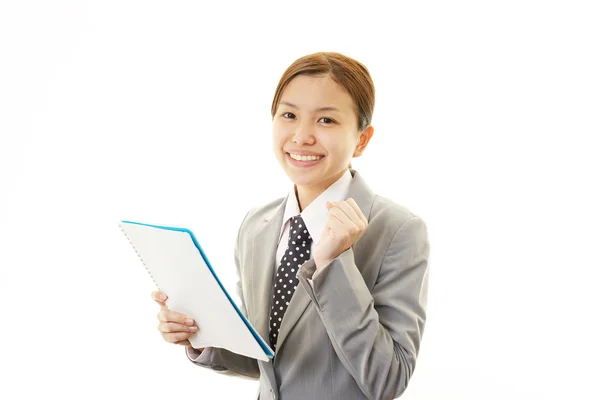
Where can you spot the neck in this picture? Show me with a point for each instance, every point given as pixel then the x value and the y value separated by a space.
pixel 307 194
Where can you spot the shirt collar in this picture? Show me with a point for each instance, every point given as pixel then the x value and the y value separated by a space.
pixel 315 215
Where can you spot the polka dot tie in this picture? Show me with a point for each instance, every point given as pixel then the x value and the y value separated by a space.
pixel 296 253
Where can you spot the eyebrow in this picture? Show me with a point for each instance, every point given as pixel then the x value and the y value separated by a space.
pixel 326 108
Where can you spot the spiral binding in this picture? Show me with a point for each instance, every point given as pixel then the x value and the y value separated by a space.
pixel 139 256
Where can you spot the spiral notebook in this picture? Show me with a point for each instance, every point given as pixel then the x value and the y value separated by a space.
pixel 180 268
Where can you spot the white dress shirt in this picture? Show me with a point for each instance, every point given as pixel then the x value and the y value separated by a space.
pixel 314 215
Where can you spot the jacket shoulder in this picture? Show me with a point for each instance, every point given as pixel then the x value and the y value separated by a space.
pixel 390 213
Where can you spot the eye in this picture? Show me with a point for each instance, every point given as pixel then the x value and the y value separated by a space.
pixel 328 119
pixel 284 114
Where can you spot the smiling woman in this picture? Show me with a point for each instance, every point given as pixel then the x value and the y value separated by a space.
pixel 317 117
pixel 334 275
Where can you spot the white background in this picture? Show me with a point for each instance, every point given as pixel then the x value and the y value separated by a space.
pixel 486 122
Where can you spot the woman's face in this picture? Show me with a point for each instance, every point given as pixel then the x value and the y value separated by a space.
pixel 315 131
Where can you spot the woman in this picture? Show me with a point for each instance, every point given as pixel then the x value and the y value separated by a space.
pixel 347 268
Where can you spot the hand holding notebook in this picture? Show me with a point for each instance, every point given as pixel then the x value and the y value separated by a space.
pixel 174 327
pixel 179 267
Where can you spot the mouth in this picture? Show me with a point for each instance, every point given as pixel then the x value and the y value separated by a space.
pixel 303 160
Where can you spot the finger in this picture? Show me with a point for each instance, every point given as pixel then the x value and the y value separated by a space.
pixel 362 217
pixel 336 226
pixel 343 218
pixel 168 327
pixel 159 295
pixel 350 212
pixel 160 298
pixel 177 336
pixel 167 315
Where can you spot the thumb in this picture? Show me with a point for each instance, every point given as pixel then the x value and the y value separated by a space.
pixel 160 298
pixel 329 204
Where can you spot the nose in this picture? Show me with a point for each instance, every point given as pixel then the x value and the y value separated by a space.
pixel 303 134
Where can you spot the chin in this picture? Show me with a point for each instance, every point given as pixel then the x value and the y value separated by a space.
pixel 307 178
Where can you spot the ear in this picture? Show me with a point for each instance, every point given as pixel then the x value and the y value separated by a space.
pixel 363 141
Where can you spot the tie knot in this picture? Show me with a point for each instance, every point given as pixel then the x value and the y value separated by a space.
pixel 298 230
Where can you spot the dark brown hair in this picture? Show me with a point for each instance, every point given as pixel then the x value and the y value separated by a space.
pixel 347 72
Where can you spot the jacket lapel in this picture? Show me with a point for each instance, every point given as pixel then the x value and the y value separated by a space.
pixel 364 197
pixel 264 248
pixel 298 304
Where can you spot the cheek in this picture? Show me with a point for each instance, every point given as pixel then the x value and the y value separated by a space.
pixel 275 132
pixel 277 137
pixel 337 147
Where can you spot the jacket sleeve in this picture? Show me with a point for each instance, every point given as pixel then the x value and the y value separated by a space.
pixel 223 360
pixel 376 333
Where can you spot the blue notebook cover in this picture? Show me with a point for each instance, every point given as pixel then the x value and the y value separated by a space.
pixel 268 351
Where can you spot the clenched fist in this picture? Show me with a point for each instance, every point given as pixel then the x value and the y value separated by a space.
pixel 345 224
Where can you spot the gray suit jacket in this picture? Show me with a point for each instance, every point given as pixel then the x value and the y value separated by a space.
pixel 356 333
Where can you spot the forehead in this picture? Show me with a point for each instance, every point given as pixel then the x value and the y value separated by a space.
pixel 311 92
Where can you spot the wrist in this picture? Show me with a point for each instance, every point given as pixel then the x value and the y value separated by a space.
pixel 321 263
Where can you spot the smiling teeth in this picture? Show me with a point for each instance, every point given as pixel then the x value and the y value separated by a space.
pixel 305 158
